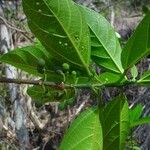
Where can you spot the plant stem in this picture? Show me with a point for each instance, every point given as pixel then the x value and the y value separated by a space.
pixel 62 86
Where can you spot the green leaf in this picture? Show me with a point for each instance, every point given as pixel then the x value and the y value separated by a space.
pixel 106 50
pixel 145 79
pixel 138 46
pixel 27 59
pixel 111 78
pixel 134 72
pixel 135 113
pixel 115 124
pixel 61 28
pixel 134 147
pixel 85 133
pixel 141 121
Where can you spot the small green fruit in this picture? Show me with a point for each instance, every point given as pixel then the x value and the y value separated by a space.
pixel 41 62
pixel 41 65
pixel 65 66
pixel 74 73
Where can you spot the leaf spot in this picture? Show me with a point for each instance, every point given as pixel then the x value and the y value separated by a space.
pixel 66 44
pixel 37 3
pixel 60 42
pixel 40 10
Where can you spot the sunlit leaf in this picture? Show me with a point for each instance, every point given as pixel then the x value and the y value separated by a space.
pixel 105 50
pixel 61 28
pixel 111 78
pixel 85 133
pixel 27 59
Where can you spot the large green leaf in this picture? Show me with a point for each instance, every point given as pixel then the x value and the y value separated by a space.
pixel 115 124
pixel 61 28
pixel 138 45
pixel 85 133
pixel 106 50
pixel 27 59
pixel 145 79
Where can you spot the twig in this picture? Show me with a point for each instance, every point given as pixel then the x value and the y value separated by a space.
pixel 37 148
pixel 12 27
pixel 43 148
pixel 32 115
pixel 112 19
pixel 34 82
pixel 9 133
pixel 29 38
pixel 80 108
pixel 68 117
pixel 62 86
pixel 137 15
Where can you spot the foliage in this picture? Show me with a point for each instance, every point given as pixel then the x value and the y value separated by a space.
pixel 135 116
pixel 135 49
pixel 85 132
pixel 145 79
pixel 71 39
pixel 105 47
pixel 115 123
pixel 49 21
